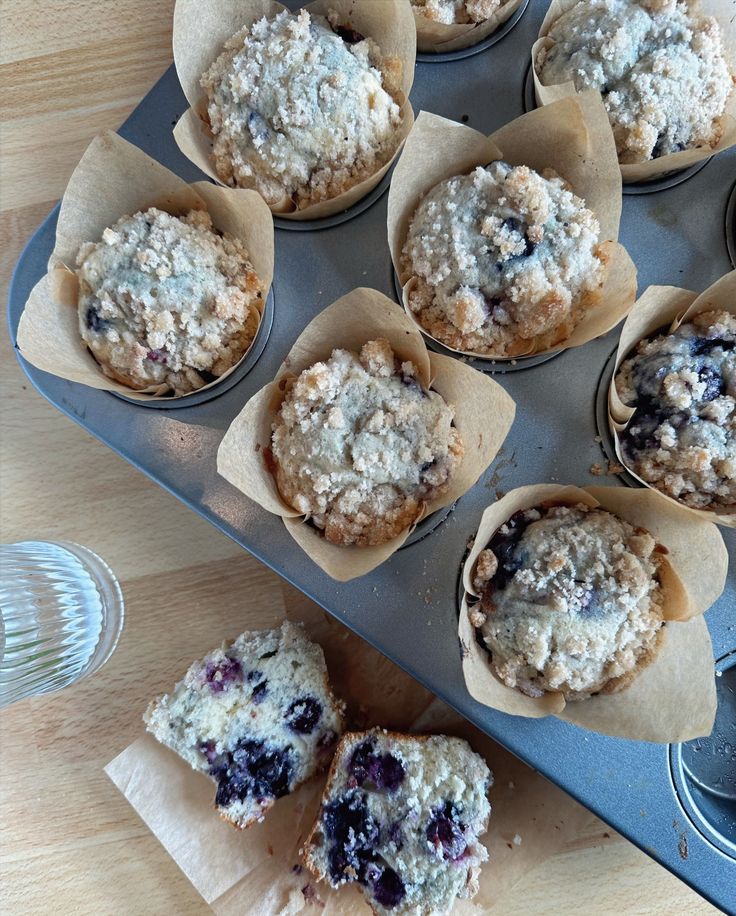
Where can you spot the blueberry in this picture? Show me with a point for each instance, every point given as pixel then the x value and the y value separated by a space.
pixel 303 715
pixel 259 692
pixel 445 833
pixel 387 772
pixel 348 35
pixel 157 356
pixel 253 770
pixel 361 759
pixel 410 382
pixel 220 675
pixel 505 547
pixel 94 321
pixel 389 889
pixel 258 127
pixel 702 346
pixel 348 823
pixel 395 834
pixel 590 603
pixel 713 383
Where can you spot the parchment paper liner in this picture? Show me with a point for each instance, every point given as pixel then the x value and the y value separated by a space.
pixel 574 138
pixel 673 698
pixel 722 10
pixel 659 307
pixel 439 37
pixel 483 416
pixel 114 179
pixel 251 871
pixel 201 28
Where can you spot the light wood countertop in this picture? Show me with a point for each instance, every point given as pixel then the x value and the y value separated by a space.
pixel 69 843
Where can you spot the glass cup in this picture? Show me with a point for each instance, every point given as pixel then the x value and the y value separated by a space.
pixel 61 613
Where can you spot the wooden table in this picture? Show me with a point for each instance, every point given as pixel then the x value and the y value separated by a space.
pixel 69 843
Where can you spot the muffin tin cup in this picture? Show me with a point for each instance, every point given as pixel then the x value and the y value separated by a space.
pixel 640 172
pixel 665 307
pixel 116 179
pixel 572 137
pixel 202 27
pixel 731 226
pixel 243 457
pixel 673 697
pixel 443 41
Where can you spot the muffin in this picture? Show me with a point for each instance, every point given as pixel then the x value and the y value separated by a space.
pixel 451 12
pixel 570 601
pixel 681 438
pixel 402 816
pixel 659 65
pixel 302 109
pixel 506 261
pixel 359 446
pixel 257 716
pixel 167 301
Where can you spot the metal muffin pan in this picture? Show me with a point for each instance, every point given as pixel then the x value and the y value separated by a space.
pixel 407 608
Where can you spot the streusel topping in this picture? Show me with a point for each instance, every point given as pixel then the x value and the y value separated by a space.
pixel 682 438
pixel 457 11
pixel 506 260
pixel 658 64
pixel 167 300
pixel 570 600
pixel 301 111
pixel 360 446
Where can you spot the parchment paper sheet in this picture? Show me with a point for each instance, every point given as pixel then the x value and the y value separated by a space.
pixel 439 37
pixel 251 872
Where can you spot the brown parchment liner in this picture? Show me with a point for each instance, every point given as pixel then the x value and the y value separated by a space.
pixel 115 179
pixel 721 10
pixel 441 37
pixel 574 138
pixel 201 28
pixel 483 417
pixel 251 871
pixel 671 699
pixel 657 308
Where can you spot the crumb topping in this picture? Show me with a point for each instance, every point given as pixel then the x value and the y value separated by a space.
pixel 450 12
pixel 506 260
pixel 658 64
pixel 299 111
pixel 167 300
pixel 570 600
pixel 360 446
pixel 682 437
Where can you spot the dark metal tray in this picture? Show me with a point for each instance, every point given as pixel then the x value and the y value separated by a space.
pixel 407 608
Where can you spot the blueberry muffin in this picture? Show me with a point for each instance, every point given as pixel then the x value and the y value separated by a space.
pixel 402 816
pixel 682 436
pixel 167 300
pixel 451 12
pixel 359 446
pixel 301 110
pixel 570 601
pixel 658 64
pixel 257 716
pixel 505 261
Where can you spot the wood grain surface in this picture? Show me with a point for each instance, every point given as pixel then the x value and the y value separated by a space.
pixel 69 843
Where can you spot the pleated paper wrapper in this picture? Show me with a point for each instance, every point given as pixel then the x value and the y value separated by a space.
pixel 440 37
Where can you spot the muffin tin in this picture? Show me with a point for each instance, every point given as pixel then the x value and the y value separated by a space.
pixel 407 607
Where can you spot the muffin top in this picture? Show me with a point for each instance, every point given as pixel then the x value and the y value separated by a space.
pixel 451 12
pixel 570 601
pixel 682 437
pixel 658 64
pixel 300 111
pixel 360 446
pixel 505 260
pixel 167 300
